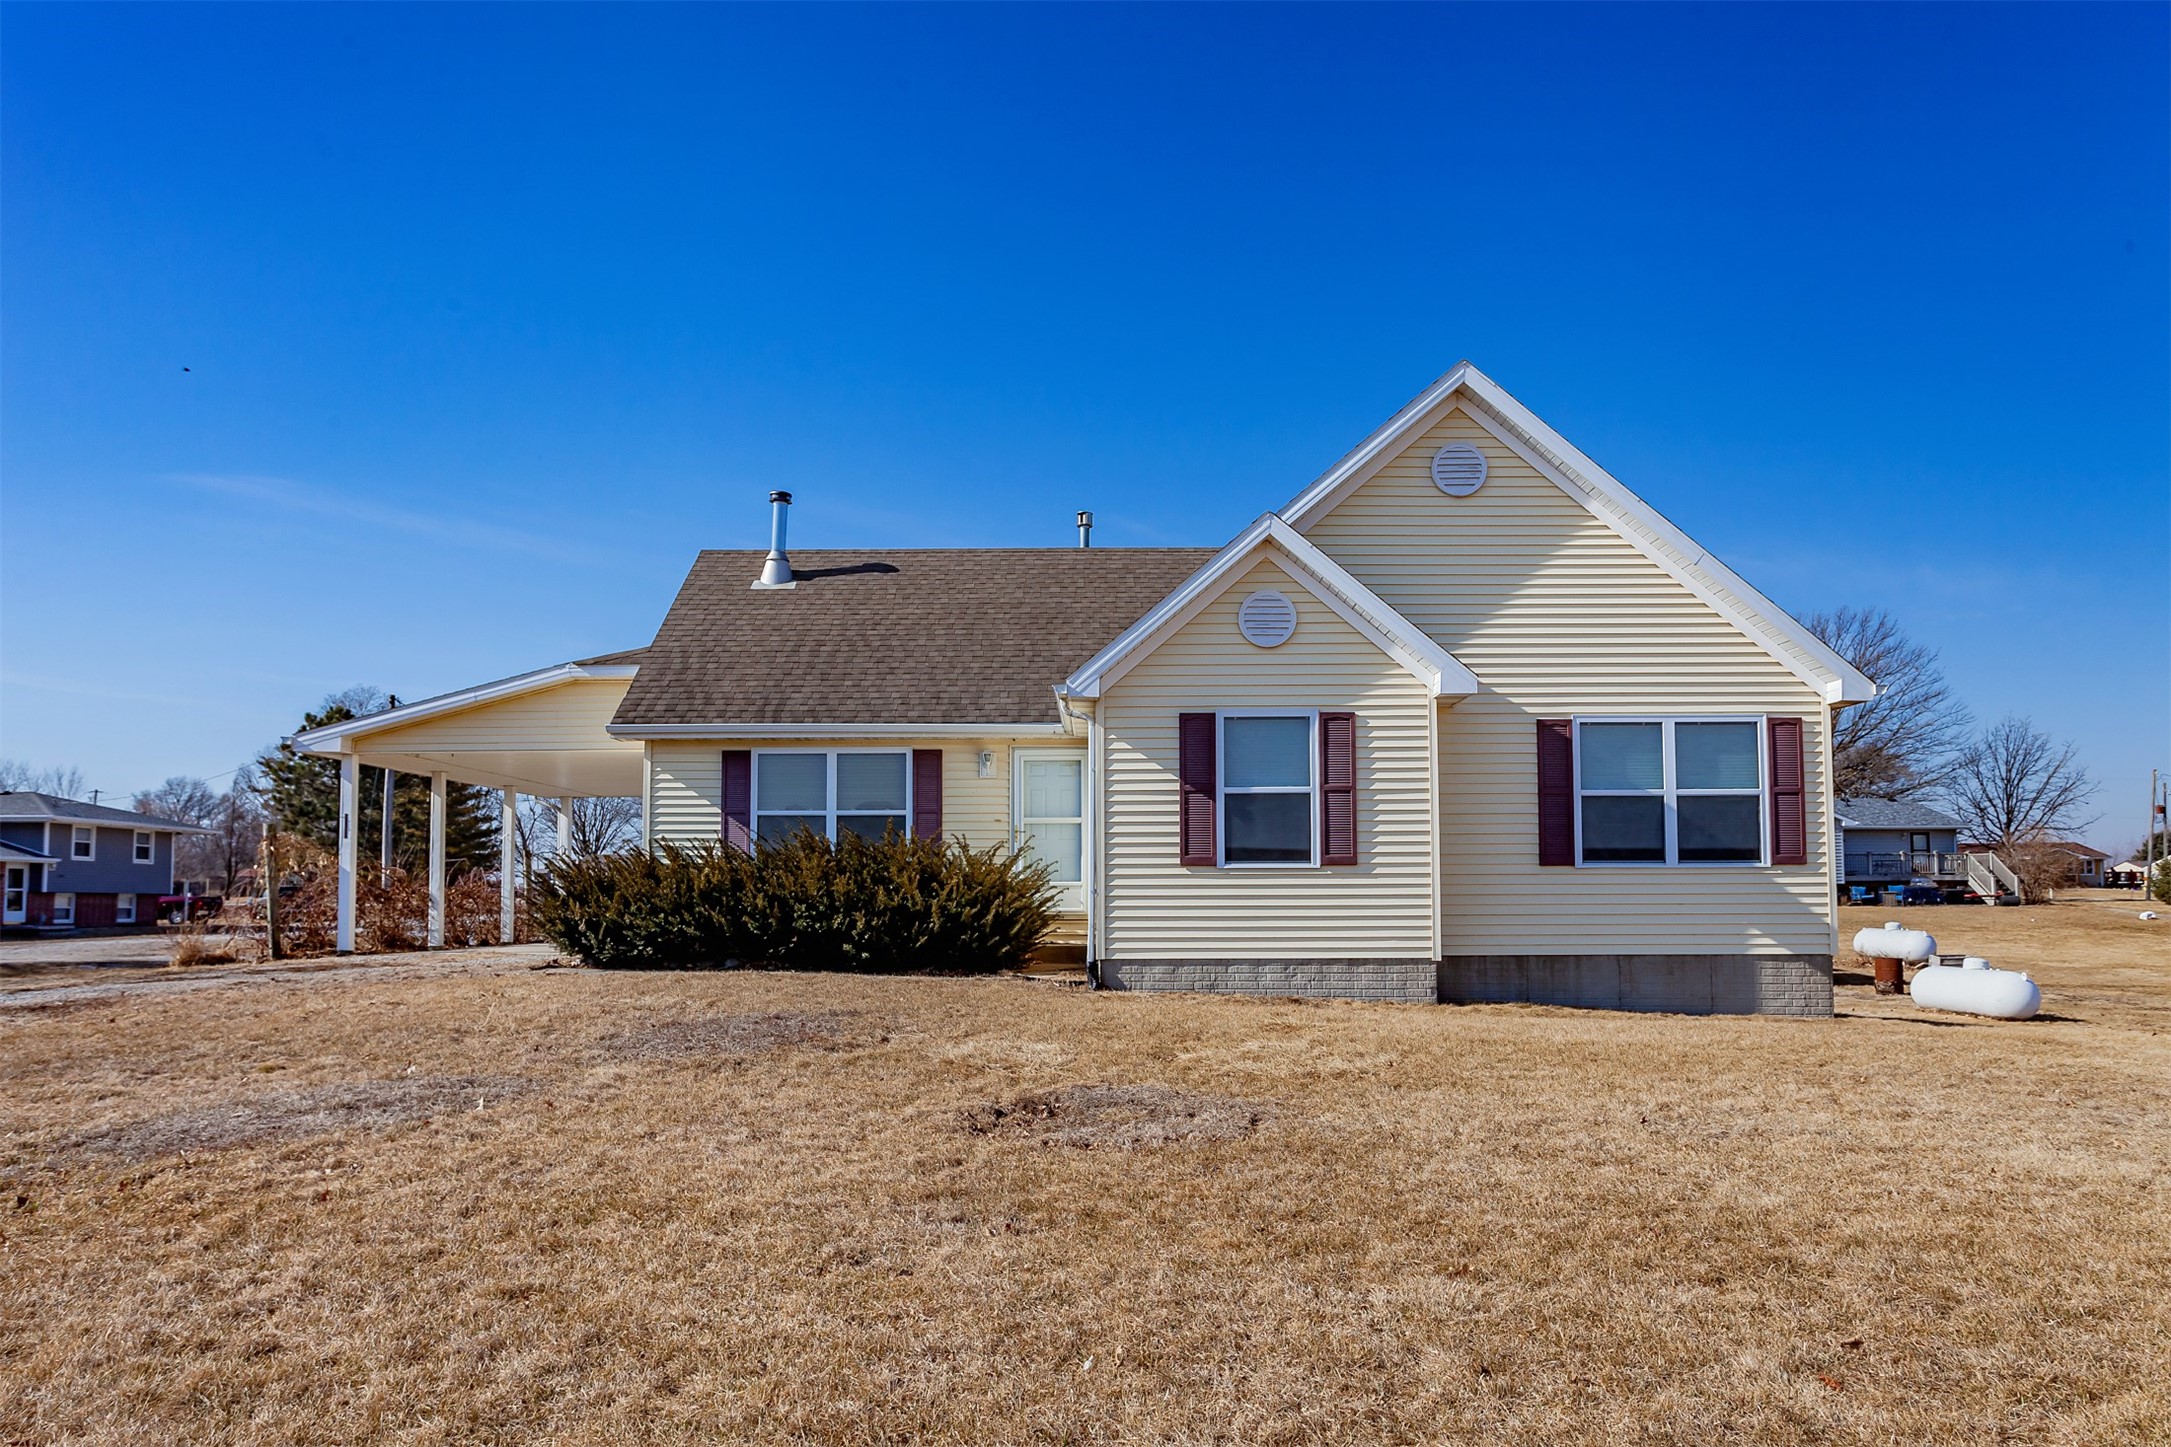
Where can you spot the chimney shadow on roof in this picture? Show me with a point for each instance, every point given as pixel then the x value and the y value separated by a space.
pixel 802 574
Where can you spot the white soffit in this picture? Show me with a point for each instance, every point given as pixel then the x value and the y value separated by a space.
pixel 340 737
pixel 1642 526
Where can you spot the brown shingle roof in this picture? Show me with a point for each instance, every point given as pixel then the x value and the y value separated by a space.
pixel 949 635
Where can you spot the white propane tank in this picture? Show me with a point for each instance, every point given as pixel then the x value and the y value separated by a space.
pixel 1973 988
pixel 1894 943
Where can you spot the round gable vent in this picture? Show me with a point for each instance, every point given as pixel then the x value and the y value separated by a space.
pixel 1267 618
pixel 1458 469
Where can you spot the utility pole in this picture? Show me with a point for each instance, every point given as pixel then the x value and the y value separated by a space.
pixel 2156 825
pixel 268 867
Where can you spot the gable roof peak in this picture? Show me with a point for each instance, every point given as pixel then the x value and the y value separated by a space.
pixel 1335 586
pixel 1606 498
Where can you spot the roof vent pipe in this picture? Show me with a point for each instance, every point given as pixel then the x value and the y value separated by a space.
pixel 776 569
pixel 1085 530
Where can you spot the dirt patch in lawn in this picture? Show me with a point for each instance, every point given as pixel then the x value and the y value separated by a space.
pixel 1117 1117
pixel 283 1115
pixel 729 1035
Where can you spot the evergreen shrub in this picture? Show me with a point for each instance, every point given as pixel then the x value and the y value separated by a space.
pixel 874 906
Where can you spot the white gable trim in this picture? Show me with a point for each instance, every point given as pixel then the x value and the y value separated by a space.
pixel 340 738
pixel 1332 584
pixel 1516 427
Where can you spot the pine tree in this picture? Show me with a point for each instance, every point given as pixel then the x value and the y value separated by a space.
pixel 302 794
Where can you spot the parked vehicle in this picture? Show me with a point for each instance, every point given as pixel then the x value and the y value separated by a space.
pixel 198 906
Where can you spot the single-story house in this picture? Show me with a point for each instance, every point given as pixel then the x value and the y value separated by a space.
pixel 1884 842
pixel 73 865
pixel 2088 862
pixel 1465 719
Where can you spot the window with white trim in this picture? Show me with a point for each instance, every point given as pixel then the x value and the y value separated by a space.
pixel 1051 810
pixel 82 842
pixel 1670 791
pixel 146 847
pixel 63 909
pixel 850 791
pixel 124 909
pixel 1269 794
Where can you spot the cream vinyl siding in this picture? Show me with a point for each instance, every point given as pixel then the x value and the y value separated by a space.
pixel 571 715
pixel 1155 908
pixel 686 785
pixel 1560 617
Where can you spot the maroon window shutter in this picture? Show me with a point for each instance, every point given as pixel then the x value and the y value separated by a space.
pixel 1789 801
pixel 1556 791
pixel 1338 787
pixel 739 799
pixel 1195 770
pixel 927 793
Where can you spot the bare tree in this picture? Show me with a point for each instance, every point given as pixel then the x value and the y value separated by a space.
pixel 2013 786
pixel 17 776
pixel 360 700
pixel 2042 869
pixel 235 819
pixel 181 797
pixel 600 826
pixel 1907 740
pixel 237 825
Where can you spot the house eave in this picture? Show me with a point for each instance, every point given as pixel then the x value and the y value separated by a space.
pixel 808 730
pixel 339 738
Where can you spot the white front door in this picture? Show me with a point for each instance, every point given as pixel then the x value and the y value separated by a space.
pixel 1049 793
pixel 18 894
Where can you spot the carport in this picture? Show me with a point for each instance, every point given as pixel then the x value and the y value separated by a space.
pixel 540 733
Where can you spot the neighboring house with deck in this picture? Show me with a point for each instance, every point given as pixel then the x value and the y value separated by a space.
pixel 1464 720
pixel 1888 842
pixel 73 865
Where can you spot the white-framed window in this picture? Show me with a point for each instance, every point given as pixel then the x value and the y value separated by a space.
pixel 1269 787
pixel 146 847
pixel 63 909
pixel 831 791
pixel 1670 790
pixel 124 909
pixel 82 842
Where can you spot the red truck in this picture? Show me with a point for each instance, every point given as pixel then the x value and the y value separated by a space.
pixel 173 908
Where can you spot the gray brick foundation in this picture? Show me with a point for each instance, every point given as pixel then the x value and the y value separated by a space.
pixel 1685 984
pixel 1359 979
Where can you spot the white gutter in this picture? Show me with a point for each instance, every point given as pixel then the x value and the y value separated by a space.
pixel 148 823
pixel 836 731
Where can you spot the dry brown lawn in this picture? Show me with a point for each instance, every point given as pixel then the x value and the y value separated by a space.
pixel 507 1204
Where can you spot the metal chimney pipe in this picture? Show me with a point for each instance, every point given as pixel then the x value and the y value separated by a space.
pixel 1085 529
pixel 776 569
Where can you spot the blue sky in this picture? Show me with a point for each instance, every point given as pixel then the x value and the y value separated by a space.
pixel 491 316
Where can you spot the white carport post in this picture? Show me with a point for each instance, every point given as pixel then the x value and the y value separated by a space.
pixel 350 791
pixel 508 841
pixel 565 828
pixel 437 861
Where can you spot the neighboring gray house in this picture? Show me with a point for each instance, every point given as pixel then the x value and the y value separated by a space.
pixel 75 865
pixel 1883 842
